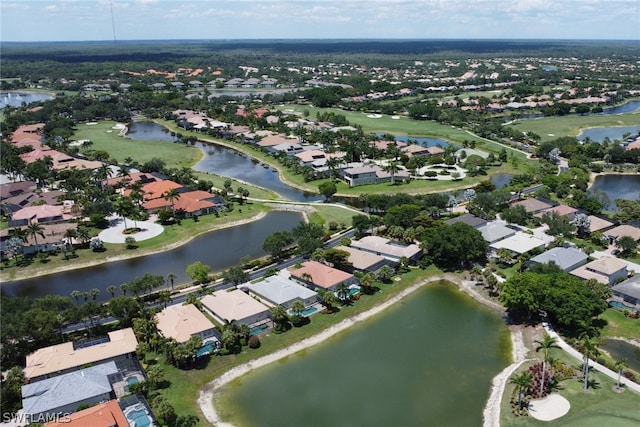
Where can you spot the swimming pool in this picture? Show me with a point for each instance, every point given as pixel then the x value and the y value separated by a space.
pixel 354 291
pixel 258 329
pixel 138 417
pixel 308 311
pixel 130 381
pixel 206 349
pixel 621 306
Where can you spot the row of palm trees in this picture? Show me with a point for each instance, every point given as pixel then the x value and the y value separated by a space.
pixel 587 345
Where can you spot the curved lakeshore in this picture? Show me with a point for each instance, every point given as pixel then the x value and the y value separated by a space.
pixel 206 396
pixel 130 255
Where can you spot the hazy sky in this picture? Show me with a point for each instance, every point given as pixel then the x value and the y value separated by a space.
pixel 60 20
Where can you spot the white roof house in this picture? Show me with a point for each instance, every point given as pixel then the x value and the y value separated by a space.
pixel 566 258
pixel 181 322
pixel 278 290
pixel 66 357
pixel 235 307
pixel 387 248
pixel 64 393
pixel 519 243
pixel 494 231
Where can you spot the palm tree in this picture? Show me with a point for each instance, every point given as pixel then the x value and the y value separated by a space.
pixel 297 308
pixel 546 344
pixel 385 273
pixel 76 295
pixel 94 293
pixel 34 230
pixel 124 288
pixel 392 167
pixel 164 297
pixel 171 196
pixel 620 365
pixel 112 290
pixel 83 234
pixel 171 278
pixel 329 300
pixel 523 381
pixel 367 281
pixel 343 292
pixel 589 348
pixel 279 316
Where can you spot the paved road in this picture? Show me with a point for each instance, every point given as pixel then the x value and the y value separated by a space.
pixel 593 364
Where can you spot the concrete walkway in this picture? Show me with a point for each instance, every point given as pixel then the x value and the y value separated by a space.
pixel 115 232
pixel 592 364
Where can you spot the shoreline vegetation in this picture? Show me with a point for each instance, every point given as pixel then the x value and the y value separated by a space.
pixel 491 413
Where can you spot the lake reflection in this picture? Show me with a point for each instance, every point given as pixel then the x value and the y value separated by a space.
pixel 427 361
pixel 617 187
pixel 16 99
pixel 218 249
pixel 615 132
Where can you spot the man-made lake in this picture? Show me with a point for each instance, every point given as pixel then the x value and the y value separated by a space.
pixel 218 249
pixel 617 187
pixel 501 179
pixel 428 361
pixel 627 107
pixel 621 349
pixel 149 131
pixel 16 99
pixel 613 133
pixel 224 161
pixel 420 140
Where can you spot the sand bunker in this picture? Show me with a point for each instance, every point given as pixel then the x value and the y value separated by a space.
pixel 550 408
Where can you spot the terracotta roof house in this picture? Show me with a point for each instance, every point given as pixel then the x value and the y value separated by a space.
pixel 106 414
pixel 181 322
pixel 623 230
pixel 388 249
pixel 628 291
pixel 383 145
pixel 64 393
pixel 52 240
pixel 279 290
pixel 235 306
pixel 318 275
pixel 533 205
pixel 62 358
pixel 272 140
pixel 435 151
pixel 39 214
pixel 11 189
pixel 519 243
pixel 309 156
pixel 290 149
pixel 188 204
pixel 416 150
pixel 363 260
pixel 469 219
pixel 566 258
pixel 562 210
pixel 141 177
pixel 607 270
pixel 158 189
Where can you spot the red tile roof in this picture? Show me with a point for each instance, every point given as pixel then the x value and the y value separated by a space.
pixel 106 414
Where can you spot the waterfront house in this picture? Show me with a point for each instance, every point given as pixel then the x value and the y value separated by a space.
pixel 363 261
pixel 622 230
pixel 469 219
pixel 532 205
pixel 628 291
pixel 606 270
pixel 64 393
pixel 279 290
pixel 519 243
pixel 321 276
pixel 181 322
pixel 235 306
pixel 108 414
pixel 561 210
pixel 566 259
pixel 388 249
pixel 62 358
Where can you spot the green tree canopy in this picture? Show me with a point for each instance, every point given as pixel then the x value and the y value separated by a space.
pixel 455 245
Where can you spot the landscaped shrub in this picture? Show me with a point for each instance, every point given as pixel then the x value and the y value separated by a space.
pixel 254 341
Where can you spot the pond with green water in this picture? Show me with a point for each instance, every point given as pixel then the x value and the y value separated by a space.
pixel 428 360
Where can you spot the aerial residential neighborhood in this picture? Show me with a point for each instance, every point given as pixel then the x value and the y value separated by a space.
pixel 385 223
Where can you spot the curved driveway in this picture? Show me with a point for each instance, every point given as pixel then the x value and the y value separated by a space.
pixel 115 232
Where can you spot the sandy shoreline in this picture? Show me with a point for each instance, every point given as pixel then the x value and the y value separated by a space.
pixel 491 412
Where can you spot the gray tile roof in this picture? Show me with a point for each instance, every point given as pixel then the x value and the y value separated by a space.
pixel 630 287
pixel 47 395
pixel 565 258
pixel 280 290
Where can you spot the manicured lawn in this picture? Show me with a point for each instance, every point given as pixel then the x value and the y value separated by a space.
pixel 600 406
pixel 325 214
pixel 554 127
pixel 185 384
pixel 104 137
pixel 172 234
pixel 620 326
